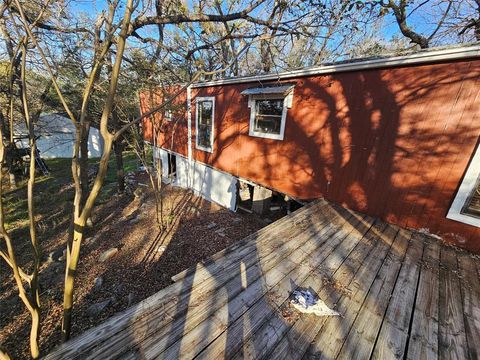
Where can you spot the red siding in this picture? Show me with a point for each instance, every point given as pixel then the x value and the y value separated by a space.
pixel 393 143
pixel 172 135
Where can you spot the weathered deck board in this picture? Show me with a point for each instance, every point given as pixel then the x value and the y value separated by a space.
pixel 399 293
pixel 452 340
pixel 302 333
pixel 277 295
pixel 424 336
pixel 260 345
pixel 393 335
pixel 332 335
pixel 361 339
pixel 194 340
pixel 471 302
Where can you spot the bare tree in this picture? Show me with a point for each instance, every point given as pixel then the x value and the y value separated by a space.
pixel 403 9
pixel 18 47
pixel 469 21
pixel 189 39
pixel 27 284
pixel 83 203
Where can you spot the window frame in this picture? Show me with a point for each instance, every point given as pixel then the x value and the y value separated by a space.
pixel 468 184
pixel 168 115
pixel 197 145
pixel 287 103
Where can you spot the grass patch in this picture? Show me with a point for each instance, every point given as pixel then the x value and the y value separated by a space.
pixel 130 163
pixel 54 195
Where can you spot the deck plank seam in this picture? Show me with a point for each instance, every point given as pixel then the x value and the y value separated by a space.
pixel 304 355
pixel 407 343
pixel 462 297
pixel 444 276
pixel 366 294
pixel 394 288
pixel 386 225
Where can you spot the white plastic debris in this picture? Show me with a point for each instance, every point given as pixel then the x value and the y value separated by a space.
pixel 426 231
pixel 306 302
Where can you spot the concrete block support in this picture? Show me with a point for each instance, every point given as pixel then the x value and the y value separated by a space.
pixel 261 200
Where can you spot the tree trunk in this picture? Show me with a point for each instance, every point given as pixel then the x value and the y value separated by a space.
pixel 265 56
pixel 118 148
pixel 9 152
pixel 400 12
pixel 84 162
pixel 34 333
pixel 73 255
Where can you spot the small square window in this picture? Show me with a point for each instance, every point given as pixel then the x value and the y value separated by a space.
pixel 268 110
pixel 268 116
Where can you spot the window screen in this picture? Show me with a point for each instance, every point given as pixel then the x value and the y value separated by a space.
pixel 268 116
pixel 472 205
pixel 205 124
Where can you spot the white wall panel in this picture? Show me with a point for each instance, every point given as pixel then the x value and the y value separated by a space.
pixel 182 172
pixel 163 155
pixel 211 184
pixel 214 185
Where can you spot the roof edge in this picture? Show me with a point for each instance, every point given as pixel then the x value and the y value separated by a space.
pixel 421 57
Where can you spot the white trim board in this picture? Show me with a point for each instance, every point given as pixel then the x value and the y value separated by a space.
pixel 420 57
pixel 189 132
pixel 466 187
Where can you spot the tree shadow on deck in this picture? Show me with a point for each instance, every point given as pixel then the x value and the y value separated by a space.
pixel 235 308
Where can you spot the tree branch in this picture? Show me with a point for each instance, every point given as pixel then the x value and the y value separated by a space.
pixel 23 274
pixel 142 21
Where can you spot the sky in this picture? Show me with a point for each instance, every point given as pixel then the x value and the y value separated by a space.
pixel 387 31
pixel 390 29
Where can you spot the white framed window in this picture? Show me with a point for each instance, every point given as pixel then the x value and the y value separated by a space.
pixel 466 205
pixel 205 113
pixel 268 110
pixel 168 115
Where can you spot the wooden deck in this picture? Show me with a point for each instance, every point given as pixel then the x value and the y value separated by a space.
pixel 400 294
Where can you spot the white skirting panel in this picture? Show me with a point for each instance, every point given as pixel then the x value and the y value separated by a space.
pixel 163 155
pixel 182 172
pixel 213 185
